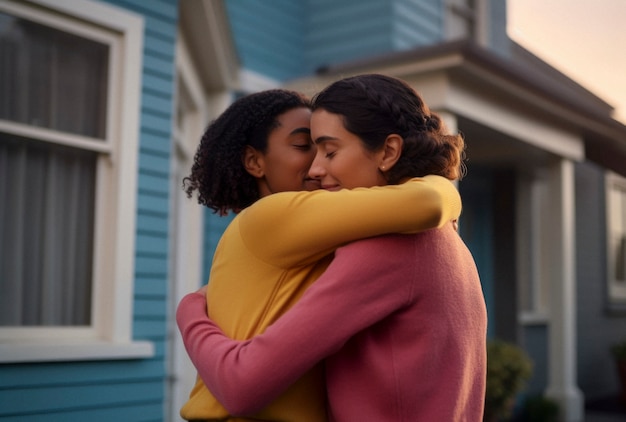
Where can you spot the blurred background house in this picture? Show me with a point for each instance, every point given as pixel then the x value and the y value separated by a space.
pixel 102 104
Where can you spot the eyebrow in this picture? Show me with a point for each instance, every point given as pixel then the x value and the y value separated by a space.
pixel 323 139
pixel 305 130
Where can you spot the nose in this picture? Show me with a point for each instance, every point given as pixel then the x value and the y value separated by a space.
pixel 317 170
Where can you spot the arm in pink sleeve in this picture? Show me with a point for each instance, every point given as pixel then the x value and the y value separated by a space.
pixel 243 380
pixel 244 376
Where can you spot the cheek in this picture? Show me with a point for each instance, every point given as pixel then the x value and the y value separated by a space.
pixel 304 161
pixel 360 172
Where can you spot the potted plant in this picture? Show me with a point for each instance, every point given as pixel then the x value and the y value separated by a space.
pixel 619 354
pixel 508 369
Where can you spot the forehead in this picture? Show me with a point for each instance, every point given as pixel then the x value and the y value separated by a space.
pixel 296 117
pixel 292 124
pixel 324 122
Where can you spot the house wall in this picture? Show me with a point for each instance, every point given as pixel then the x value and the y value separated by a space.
pixel 284 39
pixel 125 390
pixel 214 226
pixel 504 320
pixel 477 230
pixel 597 328
pixel 269 36
pixel 153 203
pixel 499 41
pixel 535 343
pixel 416 23
pixel 341 31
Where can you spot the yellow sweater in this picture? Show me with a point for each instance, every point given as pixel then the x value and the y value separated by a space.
pixel 273 250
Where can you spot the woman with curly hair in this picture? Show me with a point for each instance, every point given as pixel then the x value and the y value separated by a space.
pixel 398 319
pixel 260 145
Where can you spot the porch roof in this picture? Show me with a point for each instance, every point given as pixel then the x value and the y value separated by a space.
pixel 522 77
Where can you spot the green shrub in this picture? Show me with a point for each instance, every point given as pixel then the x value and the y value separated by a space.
pixel 508 369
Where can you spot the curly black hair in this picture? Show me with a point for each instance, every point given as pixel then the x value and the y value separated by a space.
pixel 374 106
pixel 218 173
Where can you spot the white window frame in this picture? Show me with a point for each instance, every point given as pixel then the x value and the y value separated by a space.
pixel 615 186
pixel 110 334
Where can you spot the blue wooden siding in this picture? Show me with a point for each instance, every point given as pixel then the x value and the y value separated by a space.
pixel 269 35
pixel 214 226
pixel 283 39
pixel 346 30
pixel 416 23
pixel 476 229
pixel 126 390
pixel 153 207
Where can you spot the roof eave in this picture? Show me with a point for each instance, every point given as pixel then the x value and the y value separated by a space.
pixel 533 83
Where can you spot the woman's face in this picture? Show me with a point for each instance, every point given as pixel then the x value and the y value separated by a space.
pixel 289 154
pixel 342 161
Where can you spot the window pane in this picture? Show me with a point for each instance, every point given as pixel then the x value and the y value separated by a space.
pixel 52 79
pixel 46 233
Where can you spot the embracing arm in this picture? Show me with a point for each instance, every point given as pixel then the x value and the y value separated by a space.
pixel 294 228
pixel 304 335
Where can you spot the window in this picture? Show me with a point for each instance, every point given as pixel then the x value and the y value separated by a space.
pixel 616 238
pixel 69 78
pixel 56 81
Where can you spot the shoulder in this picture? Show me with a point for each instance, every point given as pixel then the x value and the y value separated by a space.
pixel 402 245
pixel 380 245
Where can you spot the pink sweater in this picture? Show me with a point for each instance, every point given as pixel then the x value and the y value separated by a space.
pixel 400 320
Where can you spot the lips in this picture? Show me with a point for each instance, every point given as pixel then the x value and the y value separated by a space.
pixel 331 187
pixel 312 184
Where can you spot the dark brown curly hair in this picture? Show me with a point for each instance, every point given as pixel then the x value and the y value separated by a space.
pixel 218 173
pixel 374 106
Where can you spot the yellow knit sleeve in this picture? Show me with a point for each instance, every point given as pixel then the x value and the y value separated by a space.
pixel 296 228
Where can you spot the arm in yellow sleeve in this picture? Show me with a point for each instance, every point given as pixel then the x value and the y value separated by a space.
pixel 294 228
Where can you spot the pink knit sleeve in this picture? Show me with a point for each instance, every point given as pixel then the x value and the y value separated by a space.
pixel 245 376
pixel 232 372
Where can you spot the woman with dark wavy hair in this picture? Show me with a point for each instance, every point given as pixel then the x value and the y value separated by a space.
pixel 254 160
pixel 399 320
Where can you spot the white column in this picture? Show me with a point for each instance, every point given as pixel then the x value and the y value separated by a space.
pixel 562 313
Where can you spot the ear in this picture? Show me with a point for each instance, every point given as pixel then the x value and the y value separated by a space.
pixel 391 152
pixel 253 162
